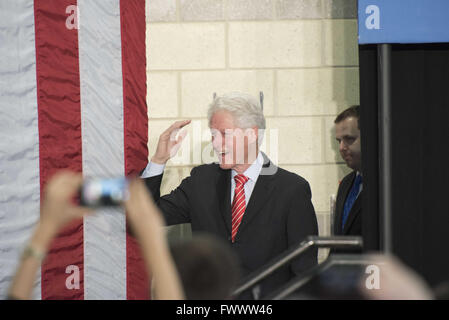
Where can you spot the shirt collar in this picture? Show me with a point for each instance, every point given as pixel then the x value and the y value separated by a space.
pixel 254 169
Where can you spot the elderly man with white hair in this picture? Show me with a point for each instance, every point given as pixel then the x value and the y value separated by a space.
pixel 260 210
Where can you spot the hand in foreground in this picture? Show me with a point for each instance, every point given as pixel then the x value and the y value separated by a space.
pixel 168 144
pixel 140 206
pixel 147 223
pixel 396 281
pixel 56 211
pixel 58 208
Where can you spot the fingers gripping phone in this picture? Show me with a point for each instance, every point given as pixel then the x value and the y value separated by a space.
pixel 97 192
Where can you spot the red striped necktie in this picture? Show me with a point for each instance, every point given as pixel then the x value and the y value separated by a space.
pixel 239 203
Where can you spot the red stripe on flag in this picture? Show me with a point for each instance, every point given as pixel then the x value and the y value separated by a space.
pixel 58 95
pixel 132 15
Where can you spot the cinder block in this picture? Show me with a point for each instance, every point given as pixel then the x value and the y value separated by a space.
pixel 250 9
pixel 160 10
pixel 186 46
pixel 171 179
pixel 198 88
pixel 298 141
pixel 275 44
pixel 323 231
pixel 173 176
pixel 316 91
pixel 299 9
pixel 202 10
pixel 331 152
pixel 185 172
pixel 340 9
pixel 323 180
pixel 162 95
pixel 341 46
pixel 323 224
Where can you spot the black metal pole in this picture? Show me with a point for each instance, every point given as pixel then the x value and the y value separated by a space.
pixel 384 86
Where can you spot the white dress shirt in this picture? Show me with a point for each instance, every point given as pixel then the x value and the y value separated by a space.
pixel 252 173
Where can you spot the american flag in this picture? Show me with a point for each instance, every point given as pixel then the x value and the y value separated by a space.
pixel 72 95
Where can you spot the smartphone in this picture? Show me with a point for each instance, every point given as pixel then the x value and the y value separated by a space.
pixel 104 192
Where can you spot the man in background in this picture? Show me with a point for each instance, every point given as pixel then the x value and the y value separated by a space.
pixel 348 207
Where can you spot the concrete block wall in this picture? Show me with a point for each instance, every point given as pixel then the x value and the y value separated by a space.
pixel 301 53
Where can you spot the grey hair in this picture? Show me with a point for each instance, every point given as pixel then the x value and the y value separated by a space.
pixel 245 109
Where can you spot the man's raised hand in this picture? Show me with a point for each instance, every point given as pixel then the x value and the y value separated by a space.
pixel 170 142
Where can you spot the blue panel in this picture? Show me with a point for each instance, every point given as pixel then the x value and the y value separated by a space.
pixel 403 21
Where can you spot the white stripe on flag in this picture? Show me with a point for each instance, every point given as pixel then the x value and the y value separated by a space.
pixel 103 150
pixel 19 137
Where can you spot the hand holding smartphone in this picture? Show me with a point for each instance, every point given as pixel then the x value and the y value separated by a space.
pixel 96 192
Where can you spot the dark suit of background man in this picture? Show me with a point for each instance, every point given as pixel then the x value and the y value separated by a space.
pixel 258 209
pixel 348 214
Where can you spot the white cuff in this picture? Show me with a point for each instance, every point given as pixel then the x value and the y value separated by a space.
pixel 152 170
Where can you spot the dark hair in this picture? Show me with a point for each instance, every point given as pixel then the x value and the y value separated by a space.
pixel 207 267
pixel 350 112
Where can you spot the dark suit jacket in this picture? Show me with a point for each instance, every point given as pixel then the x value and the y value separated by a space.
pixel 279 215
pixel 353 225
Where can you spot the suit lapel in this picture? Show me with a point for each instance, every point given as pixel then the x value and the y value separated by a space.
pixel 224 196
pixel 346 188
pixel 353 213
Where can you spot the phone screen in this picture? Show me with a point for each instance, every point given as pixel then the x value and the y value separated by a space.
pixel 104 192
